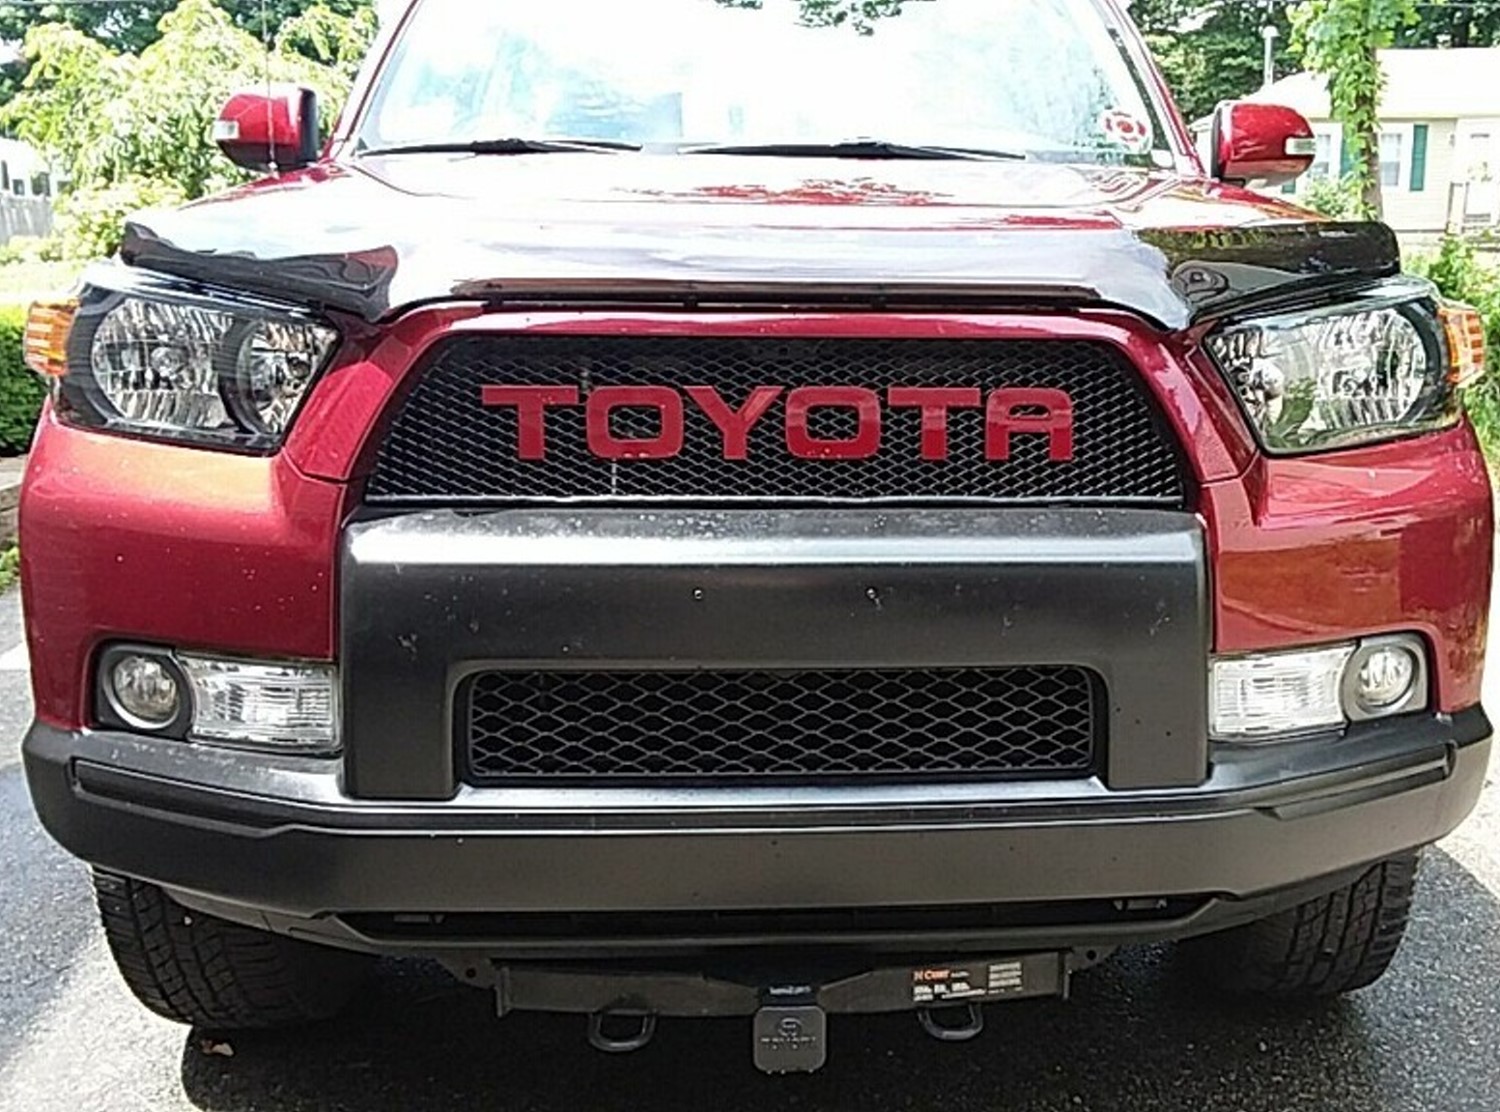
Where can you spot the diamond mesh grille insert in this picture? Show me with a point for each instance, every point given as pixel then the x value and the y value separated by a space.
pixel 445 447
pixel 1007 722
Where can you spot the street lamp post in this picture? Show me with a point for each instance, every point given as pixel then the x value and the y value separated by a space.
pixel 1269 34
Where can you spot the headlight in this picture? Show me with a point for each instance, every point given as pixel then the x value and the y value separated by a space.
pixel 1372 369
pixel 186 366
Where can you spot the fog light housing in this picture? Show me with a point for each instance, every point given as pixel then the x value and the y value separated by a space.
pixel 1386 675
pixel 145 691
pixel 287 707
pixel 1265 696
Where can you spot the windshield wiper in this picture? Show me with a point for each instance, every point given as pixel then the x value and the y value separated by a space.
pixel 507 146
pixel 856 148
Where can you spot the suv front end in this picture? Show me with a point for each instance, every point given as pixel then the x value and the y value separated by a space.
pixel 755 636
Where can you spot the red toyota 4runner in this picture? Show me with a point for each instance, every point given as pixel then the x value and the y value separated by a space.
pixel 778 508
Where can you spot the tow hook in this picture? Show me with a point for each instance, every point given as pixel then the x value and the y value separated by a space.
pixel 970 1022
pixel 629 1031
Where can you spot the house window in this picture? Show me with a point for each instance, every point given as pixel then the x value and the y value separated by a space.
pixel 1322 166
pixel 1392 144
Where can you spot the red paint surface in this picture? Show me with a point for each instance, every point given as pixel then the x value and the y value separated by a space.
pixel 127 540
pixel 1253 139
pixel 131 540
pixel 270 124
pixel 1396 537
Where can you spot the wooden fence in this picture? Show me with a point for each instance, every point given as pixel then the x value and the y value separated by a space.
pixel 24 216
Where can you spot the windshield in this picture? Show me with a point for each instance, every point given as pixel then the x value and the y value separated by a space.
pixel 1035 78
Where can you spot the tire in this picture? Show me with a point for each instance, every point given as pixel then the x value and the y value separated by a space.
pixel 1335 944
pixel 203 971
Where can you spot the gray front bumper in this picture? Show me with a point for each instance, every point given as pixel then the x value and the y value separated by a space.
pixel 312 846
pixel 430 598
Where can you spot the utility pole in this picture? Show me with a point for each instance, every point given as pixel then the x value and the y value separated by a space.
pixel 1269 34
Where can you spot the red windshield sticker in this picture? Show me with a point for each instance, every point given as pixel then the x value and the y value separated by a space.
pixel 1126 130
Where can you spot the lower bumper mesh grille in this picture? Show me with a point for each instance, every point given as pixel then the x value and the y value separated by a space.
pixel 999 723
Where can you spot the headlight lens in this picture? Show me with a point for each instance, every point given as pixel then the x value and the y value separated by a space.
pixel 273 369
pixel 188 367
pixel 1372 370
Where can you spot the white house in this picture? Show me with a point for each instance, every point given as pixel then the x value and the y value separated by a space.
pixel 23 171
pixel 1439 137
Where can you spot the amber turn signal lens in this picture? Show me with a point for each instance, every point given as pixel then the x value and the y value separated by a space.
pixel 1465 329
pixel 46 344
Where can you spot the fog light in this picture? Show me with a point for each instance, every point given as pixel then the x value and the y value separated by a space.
pixel 1385 678
pixel 1387 675
pixel 144 692
pixel 1266 694
pixel 288 707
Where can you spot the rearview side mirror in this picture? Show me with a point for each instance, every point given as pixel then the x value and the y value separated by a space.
pixel 1259 142
pixel 273 129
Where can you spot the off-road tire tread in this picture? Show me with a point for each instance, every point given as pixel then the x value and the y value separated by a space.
pixel 203 971
pixel 1335 944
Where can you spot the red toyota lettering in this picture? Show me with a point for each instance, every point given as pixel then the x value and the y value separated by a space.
pixel 530 404
pixel 606 399
pixel 735 424
pixel 934 402
pixel 1011 411
pixel 1008 412
pixel 862 445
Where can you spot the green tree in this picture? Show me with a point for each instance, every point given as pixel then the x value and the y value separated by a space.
pixel 1210 50
pixel 859 14
pixel 330 37
pixel 1339 40
pixel 104 116
pixel 1453 23
pixel 132 25
pixel 128 130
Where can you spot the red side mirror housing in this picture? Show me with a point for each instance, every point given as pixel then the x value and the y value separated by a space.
pixel 270 129
pixel 1259 142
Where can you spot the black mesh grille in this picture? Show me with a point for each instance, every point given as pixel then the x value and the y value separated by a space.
pixel 1007 722
pixel 445 447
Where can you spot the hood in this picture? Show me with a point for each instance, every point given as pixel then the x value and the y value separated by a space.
pixel 382 234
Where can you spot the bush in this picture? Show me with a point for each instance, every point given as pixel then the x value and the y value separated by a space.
pixel 30 249
pixel 1457 271
pixel 21 392
pixel 90 221
pixel 1334 197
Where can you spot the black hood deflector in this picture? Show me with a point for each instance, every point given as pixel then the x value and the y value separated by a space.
pixel 375 245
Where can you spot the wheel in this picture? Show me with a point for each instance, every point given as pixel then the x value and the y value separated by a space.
pixel 1338 943
pixel 204 971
